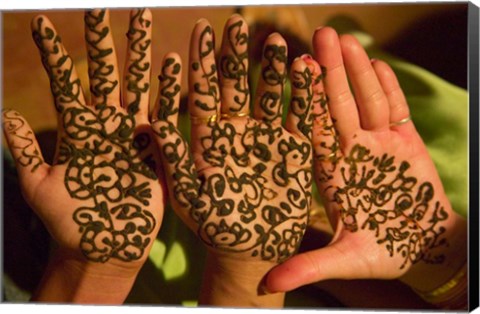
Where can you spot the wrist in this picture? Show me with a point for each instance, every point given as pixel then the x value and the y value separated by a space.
pixel 427 279
pixel 228 281
pixel 73 279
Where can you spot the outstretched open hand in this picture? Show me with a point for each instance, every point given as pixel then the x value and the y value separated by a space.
pixel 380 187
pixel 245 188
pixel 101 197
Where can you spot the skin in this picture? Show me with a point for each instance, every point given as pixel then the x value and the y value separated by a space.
pixel 382 192
pixel 101 200
pixel 243 184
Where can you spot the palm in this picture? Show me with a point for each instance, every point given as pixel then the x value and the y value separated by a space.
pixel 105 177
pixel 255 187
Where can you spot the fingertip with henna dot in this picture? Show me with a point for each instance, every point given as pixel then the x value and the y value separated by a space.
pixel 313 66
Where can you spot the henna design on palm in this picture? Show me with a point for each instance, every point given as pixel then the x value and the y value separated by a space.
pixel 375 192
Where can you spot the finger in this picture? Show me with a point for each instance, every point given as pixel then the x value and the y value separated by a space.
pixel 234 67
pixel 269 94
pixel 313 266
pixel 399 111
pixel 64 82
pixel 299 118
pixel 371 100
pixel 25 150
pixel 168 99
pixel 102 59
pixel 137 67
pixel 324 138
pixel 343 110
pixel 204 95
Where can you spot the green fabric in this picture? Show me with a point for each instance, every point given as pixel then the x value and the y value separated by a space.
pixel 440 113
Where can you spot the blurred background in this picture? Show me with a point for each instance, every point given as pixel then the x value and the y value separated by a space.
pixel 426 44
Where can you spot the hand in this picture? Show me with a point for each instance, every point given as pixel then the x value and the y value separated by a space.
pixel 245 188
pixel 380 187
pixel 101 200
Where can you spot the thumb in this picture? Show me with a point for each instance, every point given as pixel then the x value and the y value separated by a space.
pixel 25 150
pixel 177 161
pixel 179 169
pixel 331 262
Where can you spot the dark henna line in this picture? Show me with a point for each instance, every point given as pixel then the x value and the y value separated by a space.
pixel 209 75
pixel 136 70
pixel 29 156
pixel 100 85
pixel 215 154
pixel 170 89
pixel 369 190
pixel 233 66
pixel 64 89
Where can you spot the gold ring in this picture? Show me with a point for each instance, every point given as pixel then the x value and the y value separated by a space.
pixel 235 115
pixel 207 120
pixel 329 157
pixel 403 121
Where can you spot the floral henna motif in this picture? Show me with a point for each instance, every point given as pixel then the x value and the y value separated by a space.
pixel 379 196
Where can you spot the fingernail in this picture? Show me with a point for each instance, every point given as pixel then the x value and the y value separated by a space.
pixel 200 20
pixel 373 60
pixel 234 15
pixel 272 34
pixel 306 56
pixel 319 28
pixel 264 290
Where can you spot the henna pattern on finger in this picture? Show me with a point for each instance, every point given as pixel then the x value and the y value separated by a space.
pixel 234 66
pixel 210 86
pixel 58 65
pixel 169 88
pixel 108 163
pixel 300 106
pixel 136 70
pixel 99 71
pixel 276 58
pixel 379 196
pixel 21 139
